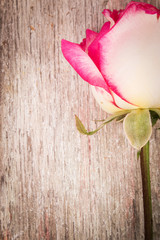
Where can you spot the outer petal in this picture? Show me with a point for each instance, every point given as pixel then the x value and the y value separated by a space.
pixel 105 100
pixel 93 49
pixel 115 15
pixel 147 8
pixel 130 56
pixel 83 64
pixel 122 103
pixel 90 36
pixel 112 16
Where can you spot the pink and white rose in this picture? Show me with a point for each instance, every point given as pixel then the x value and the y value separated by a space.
pixel 122 61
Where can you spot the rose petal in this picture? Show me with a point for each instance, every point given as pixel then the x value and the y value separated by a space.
pixel 105 100
pixel 83 64
pixel 147 8
pixel 112 16
pixel 93 49
pixel 90 36
pixel 122 103
pixel 130 56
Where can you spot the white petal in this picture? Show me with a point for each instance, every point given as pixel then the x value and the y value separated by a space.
pixel 122 103
pixel 130 55
pixel 104 99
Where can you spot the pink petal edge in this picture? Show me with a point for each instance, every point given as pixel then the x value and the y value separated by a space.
pixel 90 36
pixel 112 16
pixel 93 49
pixel 83 64
pixel 115 15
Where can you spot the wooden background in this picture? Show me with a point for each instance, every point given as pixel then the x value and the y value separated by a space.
pixel 56 184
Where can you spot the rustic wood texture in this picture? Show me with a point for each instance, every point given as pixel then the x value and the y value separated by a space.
pixel 54 182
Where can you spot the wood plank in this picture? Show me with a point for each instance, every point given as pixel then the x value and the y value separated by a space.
pixel 54 182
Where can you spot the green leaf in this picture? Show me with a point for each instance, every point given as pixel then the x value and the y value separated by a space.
pixel 80 126
pixel 138 127
pixel 82 129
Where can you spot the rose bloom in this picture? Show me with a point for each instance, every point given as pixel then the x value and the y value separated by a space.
pixel 122 61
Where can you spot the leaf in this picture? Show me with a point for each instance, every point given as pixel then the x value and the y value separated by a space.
pixel 80 126
pixel 82 129
pixel 138 127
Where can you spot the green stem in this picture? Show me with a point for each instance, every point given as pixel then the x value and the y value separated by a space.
pixel 146 185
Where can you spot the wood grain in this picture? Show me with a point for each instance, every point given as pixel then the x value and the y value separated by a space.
pixel 56 184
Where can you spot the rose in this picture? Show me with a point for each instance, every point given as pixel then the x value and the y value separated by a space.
pixel 122 61
pixel 122 65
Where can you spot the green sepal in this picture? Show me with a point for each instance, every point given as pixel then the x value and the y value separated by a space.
pixel 156 110
pixel 120 118
pixel 154 117
pixel 82 129
pixel 80 126
pixel 138 127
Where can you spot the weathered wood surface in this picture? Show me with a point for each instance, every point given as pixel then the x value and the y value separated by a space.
pixel 54 182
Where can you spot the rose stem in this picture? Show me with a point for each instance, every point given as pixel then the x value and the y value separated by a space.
pixel 146 185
